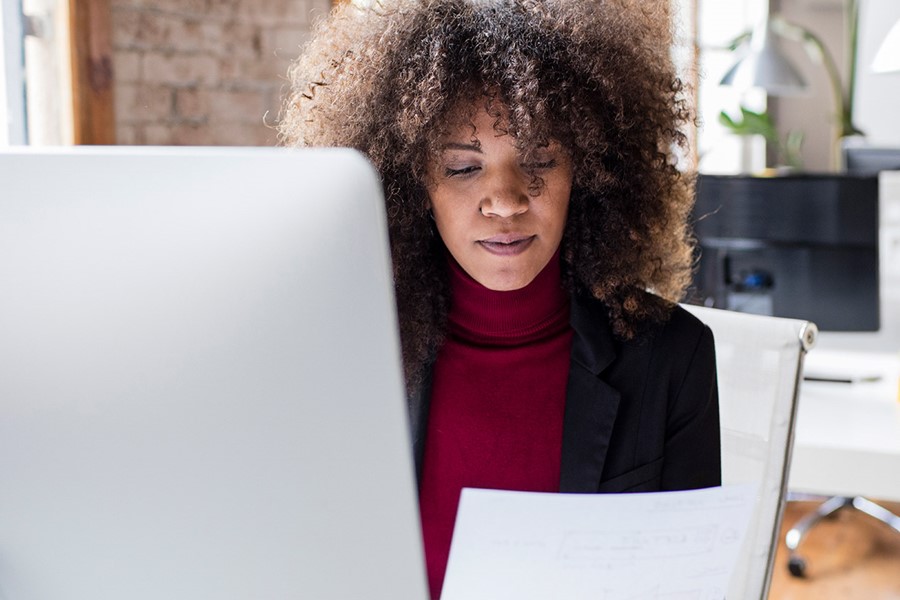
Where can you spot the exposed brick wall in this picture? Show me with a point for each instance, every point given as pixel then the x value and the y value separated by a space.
pixel 204 72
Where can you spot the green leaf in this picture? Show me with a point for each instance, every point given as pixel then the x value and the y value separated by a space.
pixel 739 40
pixel 751 123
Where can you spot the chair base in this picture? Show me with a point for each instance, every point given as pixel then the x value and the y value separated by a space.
pixel 796 563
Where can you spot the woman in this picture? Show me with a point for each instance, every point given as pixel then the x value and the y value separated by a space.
pixel 538 232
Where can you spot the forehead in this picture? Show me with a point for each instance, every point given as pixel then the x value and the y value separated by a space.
pixel 470 114
pixel 474 129
pixel 473 121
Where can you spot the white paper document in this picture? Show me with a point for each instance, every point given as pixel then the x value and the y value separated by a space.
pixel 524 546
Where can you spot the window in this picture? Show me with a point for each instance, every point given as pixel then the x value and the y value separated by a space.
pixel 718 23
pixel 36 81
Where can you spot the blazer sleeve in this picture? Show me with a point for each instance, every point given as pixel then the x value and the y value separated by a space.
pixel 693 457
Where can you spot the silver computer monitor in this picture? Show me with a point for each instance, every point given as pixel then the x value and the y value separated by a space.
pixel 200 384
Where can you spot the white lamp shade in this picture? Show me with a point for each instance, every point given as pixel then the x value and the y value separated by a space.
pixel 765 67
pixel 888 57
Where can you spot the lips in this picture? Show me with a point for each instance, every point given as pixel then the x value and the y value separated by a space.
pixel 507 244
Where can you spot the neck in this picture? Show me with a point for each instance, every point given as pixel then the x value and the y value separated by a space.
pixel 514 316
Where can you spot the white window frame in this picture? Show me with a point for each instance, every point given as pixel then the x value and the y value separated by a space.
pixel 14 130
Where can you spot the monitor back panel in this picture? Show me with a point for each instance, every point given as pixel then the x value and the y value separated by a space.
pixel 200 384
pixel 801 246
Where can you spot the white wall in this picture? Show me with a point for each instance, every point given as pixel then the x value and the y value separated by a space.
pixel 877 110
pixel 813 112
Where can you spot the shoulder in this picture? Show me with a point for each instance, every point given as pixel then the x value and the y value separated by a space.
pixel 682 352
pixel 683 329
pixel 681 341
pixel 675 328
pixel 669 343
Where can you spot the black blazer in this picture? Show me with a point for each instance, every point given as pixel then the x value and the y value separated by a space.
pixel 640 416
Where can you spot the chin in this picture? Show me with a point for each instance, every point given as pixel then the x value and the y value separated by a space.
pixel 506 284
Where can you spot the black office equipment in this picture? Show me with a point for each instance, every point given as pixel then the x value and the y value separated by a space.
pixel 799 246
pixel 870 160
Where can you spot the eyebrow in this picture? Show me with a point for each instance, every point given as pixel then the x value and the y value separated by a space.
pixel 459 146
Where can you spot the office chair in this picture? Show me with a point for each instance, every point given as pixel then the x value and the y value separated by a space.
pixel 759 361
pixel 792 539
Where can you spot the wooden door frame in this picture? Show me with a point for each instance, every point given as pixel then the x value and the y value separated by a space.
pixel 93 112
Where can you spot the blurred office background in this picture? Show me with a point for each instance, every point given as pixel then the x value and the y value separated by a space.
pixel 159 72
pixel 211 72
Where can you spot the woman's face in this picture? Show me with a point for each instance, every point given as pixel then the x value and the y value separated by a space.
pixel 499 231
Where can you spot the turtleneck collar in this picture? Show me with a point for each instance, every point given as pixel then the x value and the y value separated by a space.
pixel 485 316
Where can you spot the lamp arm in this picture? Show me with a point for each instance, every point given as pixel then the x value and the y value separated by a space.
pixel 842 100
pixel 853 41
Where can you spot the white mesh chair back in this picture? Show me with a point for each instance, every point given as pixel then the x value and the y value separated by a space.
pixel 759 361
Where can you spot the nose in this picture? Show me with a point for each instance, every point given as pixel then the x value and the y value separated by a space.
pixel 507 197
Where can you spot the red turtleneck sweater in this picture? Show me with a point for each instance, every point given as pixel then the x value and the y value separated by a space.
pixel 497 402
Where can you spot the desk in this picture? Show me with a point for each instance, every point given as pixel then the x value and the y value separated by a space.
pixel 847 439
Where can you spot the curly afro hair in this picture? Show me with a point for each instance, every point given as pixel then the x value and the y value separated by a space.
pixel 594 75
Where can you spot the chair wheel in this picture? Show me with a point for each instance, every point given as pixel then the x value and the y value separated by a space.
pixel 797 566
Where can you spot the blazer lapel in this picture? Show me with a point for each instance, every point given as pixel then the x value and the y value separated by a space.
pixel 419 401
pixel 591 403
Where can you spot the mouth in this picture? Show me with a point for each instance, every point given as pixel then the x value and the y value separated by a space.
pixel 507 245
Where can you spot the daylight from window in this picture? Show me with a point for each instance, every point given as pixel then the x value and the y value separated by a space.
pixel 718 23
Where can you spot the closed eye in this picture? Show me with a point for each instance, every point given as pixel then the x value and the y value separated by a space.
pixel 460 172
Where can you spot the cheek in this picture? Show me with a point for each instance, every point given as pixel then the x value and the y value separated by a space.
pixel 451 230
pixel 560 204
pixel 437 206
pixel 447 206
pixel 447 218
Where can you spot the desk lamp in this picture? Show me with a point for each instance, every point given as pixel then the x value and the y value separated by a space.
pixel 888 57
pixel 765 67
